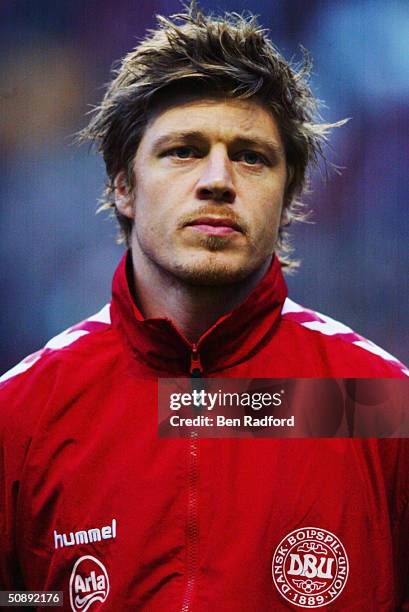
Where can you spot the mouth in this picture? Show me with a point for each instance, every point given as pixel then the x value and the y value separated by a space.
pixel 216 226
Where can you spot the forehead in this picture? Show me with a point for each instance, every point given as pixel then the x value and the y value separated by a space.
pixel 215 118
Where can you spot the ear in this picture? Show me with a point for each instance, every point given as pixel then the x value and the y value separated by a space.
pixel 285 218
pixel 123 195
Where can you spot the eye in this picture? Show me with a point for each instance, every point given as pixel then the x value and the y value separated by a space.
pixel 252 158
pixel 182 152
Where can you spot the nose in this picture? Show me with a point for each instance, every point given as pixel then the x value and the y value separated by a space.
pixel 216 181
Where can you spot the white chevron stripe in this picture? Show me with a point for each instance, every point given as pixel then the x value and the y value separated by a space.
pixel 290 306
pixel 374 348
pixel 19 368
pixel 331 327
pixel 65 338
pixel 60 341
pixel 103 316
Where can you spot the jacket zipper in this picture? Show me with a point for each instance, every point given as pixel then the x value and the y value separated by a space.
pixel 192 539
pixel 196 369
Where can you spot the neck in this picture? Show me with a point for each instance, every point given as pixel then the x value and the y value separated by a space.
pixel 193 309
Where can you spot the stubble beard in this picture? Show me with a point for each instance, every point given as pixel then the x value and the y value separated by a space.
pixel 214 266
pixel 212 270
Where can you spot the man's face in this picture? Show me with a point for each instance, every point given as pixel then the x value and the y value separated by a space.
pixel 209 181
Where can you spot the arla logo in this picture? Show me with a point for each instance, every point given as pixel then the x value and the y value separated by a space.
pixel 89 583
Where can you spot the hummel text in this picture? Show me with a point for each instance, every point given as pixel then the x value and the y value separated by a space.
pixel 84 537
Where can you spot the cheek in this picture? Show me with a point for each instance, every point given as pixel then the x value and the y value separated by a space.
pixel 152 222
pixel 145 203
pixel 266 218
pixel 268 205
pixel 154 195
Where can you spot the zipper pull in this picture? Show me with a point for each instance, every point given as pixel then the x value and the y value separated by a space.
pixel 196 369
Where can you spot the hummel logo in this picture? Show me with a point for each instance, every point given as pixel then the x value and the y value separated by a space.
pixel 84 537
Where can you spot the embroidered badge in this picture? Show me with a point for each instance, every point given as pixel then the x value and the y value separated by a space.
pixel 89 583
pixel 310 567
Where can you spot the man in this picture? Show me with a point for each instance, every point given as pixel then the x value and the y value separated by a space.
pixel 206 133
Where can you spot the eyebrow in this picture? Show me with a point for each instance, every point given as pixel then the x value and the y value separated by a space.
pixel 266 144
pixel 270 146
pixel 164 140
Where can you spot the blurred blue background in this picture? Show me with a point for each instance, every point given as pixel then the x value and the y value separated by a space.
pixel 57 257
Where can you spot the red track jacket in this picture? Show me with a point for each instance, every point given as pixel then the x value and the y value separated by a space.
pixel 94 504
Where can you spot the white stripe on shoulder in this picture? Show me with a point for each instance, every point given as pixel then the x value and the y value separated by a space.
pixel 319 322
pixel 377 350
pixel 103 315
pixel 65 338
pixel 328 326
pixel 20 367
pixel 290 306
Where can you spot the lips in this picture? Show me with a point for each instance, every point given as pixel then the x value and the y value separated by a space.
pixel 214 225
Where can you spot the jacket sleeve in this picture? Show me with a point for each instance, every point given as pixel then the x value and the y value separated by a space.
pixel 22 397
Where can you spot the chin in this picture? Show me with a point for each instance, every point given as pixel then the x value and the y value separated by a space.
pixel 213 273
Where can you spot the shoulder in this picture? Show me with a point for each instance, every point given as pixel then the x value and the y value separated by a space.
pixel 39 389
pixel 65 340
pixel 31 382
pixel 340 345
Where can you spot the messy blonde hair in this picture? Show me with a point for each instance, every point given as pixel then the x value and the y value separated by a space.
pixel 231 55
